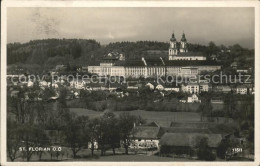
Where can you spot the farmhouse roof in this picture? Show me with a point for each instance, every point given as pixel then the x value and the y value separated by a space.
pixel 189 139
pixel 183 130
pixel 224 129
pixel 146 132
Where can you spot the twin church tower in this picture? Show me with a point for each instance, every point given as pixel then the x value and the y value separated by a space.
pixel 181 52
pixel 173 50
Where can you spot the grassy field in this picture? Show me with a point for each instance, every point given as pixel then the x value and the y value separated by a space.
pixel 134 158
pixel 162 118
pixel 85 155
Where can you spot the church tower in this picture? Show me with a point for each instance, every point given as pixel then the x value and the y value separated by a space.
pixel 183 47
pixel 173 47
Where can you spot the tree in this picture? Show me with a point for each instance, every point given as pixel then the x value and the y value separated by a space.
pixel 204 152
pixel 126 123
pixel 112 134
pixel 32 136
pixel 93 133
pixel 74 131
pixel 13 139
pixel 224 145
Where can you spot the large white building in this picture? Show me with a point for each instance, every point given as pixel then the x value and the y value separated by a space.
pixel 179 63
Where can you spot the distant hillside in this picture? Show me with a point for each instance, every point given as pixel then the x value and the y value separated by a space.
pixel 50 52
pixel 45 54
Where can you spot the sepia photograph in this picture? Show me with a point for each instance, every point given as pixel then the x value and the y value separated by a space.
pixel 128 84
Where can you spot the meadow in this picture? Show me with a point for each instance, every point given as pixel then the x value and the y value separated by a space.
pixel 164 119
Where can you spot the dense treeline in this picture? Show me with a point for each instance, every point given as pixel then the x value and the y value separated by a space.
pixel 42 55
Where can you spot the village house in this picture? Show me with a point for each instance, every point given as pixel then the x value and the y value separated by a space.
pixel 192 98
pixel 233 65
pixel 190 88
pixel 96 86
pixel 133 85
pixel 150 85
pixel 222 88
pixel 216 101
pixel 114 86
pixel 241 89
pixel 159 87
pixel 145 137
pixel 171 88
pixel 205 87
pixel 242 70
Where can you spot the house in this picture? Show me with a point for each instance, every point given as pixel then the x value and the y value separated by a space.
pixel 185 143
pixel 77 84
pixel 241 89
pixel 234 65
pixel 205 87
pixel 190 88
pixel 242 71
pixel 171 88
pixel 193 98
pixel 150 85
pixel 43 83
pixel 14 93
pixel 159 87
pixel 133 85
pixel 251 90
pixel 114 86
pixel 30 83
pixel 145 137
pixel 222 88
pixel 60 67
pixel 84 69
pixel 96 86
pixel 214 57
pixel 118 92
pixel 216 101
pixel 183 100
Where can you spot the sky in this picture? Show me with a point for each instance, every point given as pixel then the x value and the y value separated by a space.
pixel 226 26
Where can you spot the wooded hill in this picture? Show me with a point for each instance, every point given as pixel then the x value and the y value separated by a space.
pixel 47 53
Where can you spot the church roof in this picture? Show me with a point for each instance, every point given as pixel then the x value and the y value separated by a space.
pixel 173 38
pixel 183 38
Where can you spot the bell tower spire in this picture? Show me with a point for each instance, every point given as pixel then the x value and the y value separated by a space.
pixel 183 47
pixel 173 47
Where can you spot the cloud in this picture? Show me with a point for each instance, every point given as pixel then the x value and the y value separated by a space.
pixel 110 36
pixel 201 25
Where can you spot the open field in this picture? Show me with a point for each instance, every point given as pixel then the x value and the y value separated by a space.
pixel 85 155
pixel 162 118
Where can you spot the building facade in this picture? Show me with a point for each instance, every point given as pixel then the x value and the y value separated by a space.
pixel 180 62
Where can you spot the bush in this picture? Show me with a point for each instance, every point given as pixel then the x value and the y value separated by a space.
pixel 204 152
pixel 222 148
